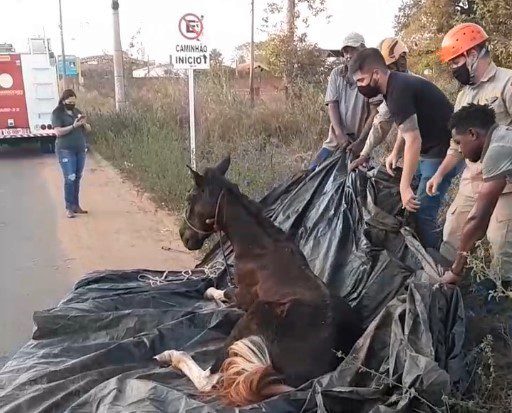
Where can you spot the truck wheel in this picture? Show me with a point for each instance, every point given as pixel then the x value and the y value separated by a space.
pixel 47 147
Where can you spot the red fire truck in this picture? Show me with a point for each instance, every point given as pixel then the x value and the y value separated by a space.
pixel 28 94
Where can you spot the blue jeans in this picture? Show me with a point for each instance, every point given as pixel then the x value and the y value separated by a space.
pixel 72 164
pixel 428 229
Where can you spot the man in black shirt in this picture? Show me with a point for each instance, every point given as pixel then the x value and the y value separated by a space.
pixel 422 113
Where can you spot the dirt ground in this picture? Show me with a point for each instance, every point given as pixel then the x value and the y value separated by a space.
pixel 43 253
pixel 123 229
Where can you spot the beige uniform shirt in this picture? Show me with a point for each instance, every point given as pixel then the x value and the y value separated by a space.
pixel 353 107
pixel 495 90
pixel 497 160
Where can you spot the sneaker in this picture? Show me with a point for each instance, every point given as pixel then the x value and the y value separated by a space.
pixel 79 210
pixel 70 214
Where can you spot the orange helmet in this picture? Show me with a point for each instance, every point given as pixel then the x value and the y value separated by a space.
pixel 460 39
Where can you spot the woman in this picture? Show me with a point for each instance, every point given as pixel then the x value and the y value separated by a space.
pixel 70 127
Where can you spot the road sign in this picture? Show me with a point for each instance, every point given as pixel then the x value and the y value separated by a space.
pixel 191 50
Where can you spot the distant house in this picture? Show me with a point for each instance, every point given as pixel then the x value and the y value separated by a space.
pixel 155 70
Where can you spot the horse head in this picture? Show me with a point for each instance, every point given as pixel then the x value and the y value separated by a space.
pixel 201 218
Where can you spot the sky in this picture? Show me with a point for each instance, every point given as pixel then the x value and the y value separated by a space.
pixel 88 23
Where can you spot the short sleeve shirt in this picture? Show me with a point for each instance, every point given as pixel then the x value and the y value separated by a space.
pixel 74 140
pixel 497 160
pixel 353 107
pixel 409 95
pixel 495 90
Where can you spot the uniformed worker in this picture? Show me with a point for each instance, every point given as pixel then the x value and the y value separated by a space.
pixel 465 48
pixel 481 139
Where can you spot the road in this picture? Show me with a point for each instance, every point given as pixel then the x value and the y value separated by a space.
pixel 43 253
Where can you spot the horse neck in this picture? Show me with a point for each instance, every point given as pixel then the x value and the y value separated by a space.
pixel 241 226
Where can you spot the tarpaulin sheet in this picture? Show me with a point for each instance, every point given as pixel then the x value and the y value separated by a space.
pixel 93 352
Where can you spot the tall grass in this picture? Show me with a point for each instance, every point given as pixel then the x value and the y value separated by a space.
pixel 149 141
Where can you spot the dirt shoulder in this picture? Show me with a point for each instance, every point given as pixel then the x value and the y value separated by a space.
pixel 123 230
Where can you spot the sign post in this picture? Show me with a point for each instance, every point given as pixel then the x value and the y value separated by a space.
pixel 190 53
pixel 192 116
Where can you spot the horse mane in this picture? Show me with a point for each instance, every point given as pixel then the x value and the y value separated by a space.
pixel 252 207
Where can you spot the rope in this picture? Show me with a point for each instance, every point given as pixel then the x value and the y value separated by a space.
pixel 212 270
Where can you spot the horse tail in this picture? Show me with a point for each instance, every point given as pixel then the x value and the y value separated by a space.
pixel 247 375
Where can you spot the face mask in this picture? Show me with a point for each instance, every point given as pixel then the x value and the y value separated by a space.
pixel 369 91
pixel 69 106
pixel 465 73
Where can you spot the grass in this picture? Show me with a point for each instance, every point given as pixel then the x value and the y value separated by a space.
pixel 149 141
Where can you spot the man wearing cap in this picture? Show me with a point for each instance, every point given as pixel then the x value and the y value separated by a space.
pixel 395 54
pixel 348 109
pixel 465 48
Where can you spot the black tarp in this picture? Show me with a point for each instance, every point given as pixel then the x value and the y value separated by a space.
pixel 94 351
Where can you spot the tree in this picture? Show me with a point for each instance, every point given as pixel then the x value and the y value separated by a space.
pixel 287 38
pixel 423 23
pixel 216 58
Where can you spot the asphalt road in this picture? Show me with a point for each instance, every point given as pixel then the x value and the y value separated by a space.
pixel 34 274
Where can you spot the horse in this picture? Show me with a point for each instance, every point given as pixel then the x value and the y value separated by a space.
pixel 293 328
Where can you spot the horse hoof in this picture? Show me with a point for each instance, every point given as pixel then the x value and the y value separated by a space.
pixel 167 357
pixel 214 294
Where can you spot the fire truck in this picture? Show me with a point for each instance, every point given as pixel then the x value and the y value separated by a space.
pixel 28 95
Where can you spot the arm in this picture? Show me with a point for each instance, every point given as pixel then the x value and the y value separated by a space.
pixel 478 221
pixel 335 118
pixel 332 101
pixel 378 133
pixel 411 135
pixel 62 131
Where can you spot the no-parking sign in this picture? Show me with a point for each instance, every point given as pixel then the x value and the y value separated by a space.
pixel 191 51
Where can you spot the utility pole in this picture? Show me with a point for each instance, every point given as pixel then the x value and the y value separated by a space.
pixel 251 67
pixel 64 83
pixel 118 60
pixel 290 31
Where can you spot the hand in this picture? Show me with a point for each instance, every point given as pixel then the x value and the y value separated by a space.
pixel 391 163
pixel 359 162
pixel 341 138
pixel 450 278
pixel 409 201
pixel 78 122
pixel 356 147
pixel 433 184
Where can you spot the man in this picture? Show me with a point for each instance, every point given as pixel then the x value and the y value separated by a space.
pixel 465 48
pixel 348 110
pixel 481 139
pixel 422 113
pixel 395 55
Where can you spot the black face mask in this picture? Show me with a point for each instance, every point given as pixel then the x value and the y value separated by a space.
pixel 369 91
pixel 462 74
pixel 69 106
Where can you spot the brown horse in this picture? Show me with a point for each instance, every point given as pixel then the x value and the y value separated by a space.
pixel 293 326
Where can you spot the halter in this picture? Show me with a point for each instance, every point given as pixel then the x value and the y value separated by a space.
pixel 218 231
pixel 199 231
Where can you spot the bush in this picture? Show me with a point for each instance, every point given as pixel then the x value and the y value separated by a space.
pixel 149 141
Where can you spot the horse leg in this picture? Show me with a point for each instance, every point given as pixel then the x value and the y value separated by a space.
pixel 202 379
pixel 245 327
pixel 227 295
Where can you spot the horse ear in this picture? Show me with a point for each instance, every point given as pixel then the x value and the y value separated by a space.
pixel 198 178
pixel 223 166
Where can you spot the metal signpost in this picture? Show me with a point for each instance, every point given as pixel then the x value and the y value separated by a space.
pixel 191 52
